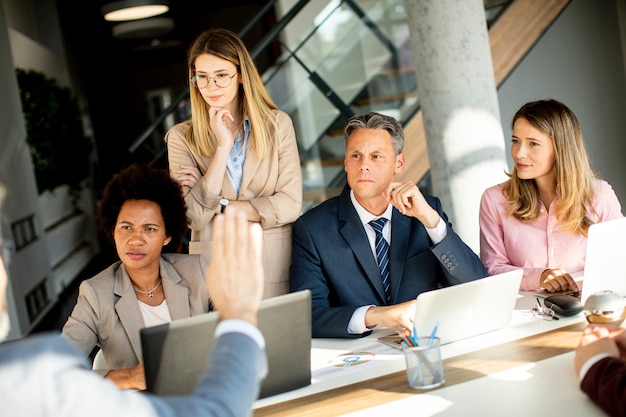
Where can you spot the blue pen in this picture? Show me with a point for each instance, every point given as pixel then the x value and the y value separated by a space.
pixel 431 339
pixel 415 334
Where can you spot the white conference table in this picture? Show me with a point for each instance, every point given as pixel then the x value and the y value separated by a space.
pixel 544 388
pixel 481 377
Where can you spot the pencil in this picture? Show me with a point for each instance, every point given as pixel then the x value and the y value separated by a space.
pixel 408 341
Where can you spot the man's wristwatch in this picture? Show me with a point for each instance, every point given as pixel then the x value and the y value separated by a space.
pixel 224 203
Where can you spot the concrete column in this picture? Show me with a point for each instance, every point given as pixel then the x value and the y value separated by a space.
pixel 459 101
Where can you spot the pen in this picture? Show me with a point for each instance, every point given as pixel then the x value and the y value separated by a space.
pixel 408 341
pixel 414 335
pixel 431 339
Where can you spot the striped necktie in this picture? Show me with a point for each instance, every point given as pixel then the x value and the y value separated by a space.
pixel 382 254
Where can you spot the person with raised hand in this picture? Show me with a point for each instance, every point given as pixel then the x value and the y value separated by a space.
pixel 46 374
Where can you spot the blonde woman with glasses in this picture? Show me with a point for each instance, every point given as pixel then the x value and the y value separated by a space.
pixel 237 150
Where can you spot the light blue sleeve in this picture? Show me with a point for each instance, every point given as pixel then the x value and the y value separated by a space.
pixel 47 375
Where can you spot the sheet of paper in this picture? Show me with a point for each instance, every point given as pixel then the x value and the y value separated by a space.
pixel 370 353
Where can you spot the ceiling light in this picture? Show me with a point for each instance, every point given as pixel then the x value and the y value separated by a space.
pixel 133 9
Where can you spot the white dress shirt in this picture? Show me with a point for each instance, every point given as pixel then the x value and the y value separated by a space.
pixel 357 322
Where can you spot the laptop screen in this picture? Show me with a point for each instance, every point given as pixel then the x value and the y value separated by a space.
pixel 175 353
pixel 604 266
pixel 465 310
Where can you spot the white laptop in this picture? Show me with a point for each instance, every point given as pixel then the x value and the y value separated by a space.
pixel 605 262
pixel 175 353
pixel 466 310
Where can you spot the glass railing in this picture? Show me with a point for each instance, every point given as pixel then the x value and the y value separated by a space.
pixel 339 59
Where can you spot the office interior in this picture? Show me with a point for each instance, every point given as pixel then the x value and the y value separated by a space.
pixel 579 59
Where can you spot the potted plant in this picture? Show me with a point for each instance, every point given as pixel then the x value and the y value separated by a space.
pixel 59 148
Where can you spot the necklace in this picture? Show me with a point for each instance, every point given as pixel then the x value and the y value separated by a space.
pixel 151 292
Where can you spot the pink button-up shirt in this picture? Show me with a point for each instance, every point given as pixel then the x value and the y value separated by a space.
pixel 506 243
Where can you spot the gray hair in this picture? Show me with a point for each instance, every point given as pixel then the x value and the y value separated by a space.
pixel 375 120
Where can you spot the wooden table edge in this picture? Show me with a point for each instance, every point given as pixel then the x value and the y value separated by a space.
pixel 458 369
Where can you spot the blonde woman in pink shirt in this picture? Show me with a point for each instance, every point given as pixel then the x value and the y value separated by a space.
pixel 538 219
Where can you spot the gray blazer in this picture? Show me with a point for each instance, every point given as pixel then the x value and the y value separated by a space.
pixel 107 312
pixel 54 379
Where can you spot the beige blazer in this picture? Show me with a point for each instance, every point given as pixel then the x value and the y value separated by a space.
pixel 107 312
pixel 273 186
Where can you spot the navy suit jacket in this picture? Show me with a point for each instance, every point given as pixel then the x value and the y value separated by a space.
pixel 333 258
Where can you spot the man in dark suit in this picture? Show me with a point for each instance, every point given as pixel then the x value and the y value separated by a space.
pixel 600 363
pixel 335 249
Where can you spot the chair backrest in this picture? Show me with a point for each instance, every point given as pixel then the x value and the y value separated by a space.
pixel 98 361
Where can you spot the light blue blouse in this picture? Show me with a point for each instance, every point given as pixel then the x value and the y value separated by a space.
pixel 237 156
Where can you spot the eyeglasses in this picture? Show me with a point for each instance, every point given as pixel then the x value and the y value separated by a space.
pixel 220 80
pixel 541 312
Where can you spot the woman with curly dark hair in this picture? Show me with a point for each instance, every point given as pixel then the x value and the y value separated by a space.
pixel 143 213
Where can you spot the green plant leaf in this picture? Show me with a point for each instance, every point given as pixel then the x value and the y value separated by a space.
pixel 59 148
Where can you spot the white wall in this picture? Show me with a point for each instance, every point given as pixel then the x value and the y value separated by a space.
pixel 30 55
pixel 63 241
pixel 580 62
pixel 18 191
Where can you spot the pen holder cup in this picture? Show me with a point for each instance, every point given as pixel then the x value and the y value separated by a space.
pixel 424 367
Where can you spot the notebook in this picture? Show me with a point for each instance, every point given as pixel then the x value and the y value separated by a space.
pixel 467 309
pixel 605 261
pixel 175 353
